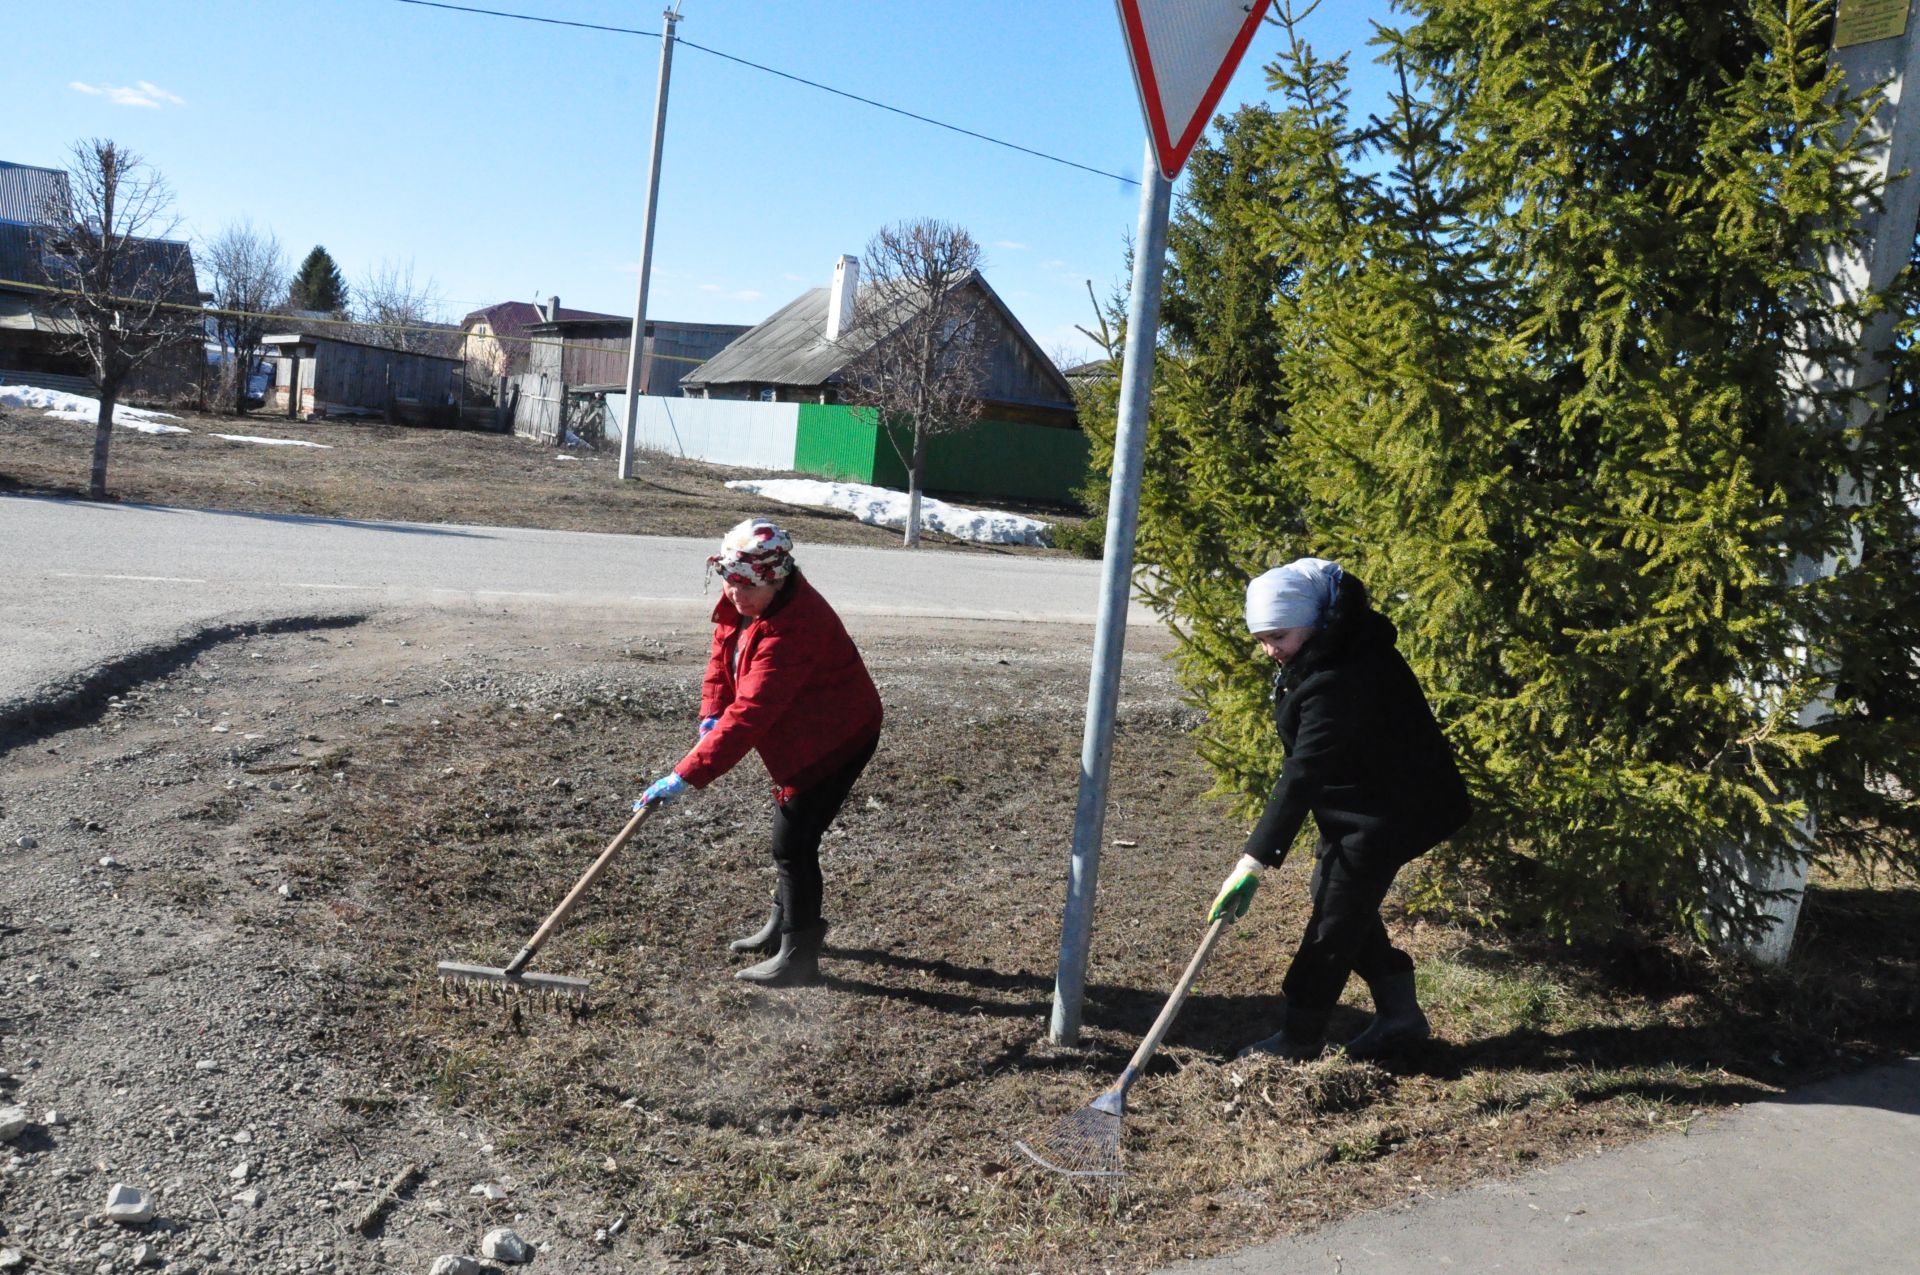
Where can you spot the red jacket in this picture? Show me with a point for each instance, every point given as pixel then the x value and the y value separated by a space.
pixel 790 684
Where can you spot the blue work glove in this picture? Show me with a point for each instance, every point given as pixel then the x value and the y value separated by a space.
pixel 663 790
pixel 708 723
pixel 1236 892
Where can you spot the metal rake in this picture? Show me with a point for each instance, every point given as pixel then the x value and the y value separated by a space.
pixel 1086 1143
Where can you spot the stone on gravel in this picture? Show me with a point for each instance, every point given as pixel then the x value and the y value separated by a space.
pixel 55 1119
pixel 25 843
pixel 240 1172
pixel 12 1259
pixel 129 1205
pixel 147 1255
pixel 502 1245
pixel 454 1264
pixel 249 1197
pixel 13 1123
pixel 492 1190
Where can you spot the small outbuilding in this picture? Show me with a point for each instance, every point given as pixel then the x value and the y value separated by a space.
pixel 317 376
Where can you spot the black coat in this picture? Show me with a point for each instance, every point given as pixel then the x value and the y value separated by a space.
pixel 1364 755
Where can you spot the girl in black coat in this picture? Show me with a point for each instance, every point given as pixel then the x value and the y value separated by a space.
pixel 1366 759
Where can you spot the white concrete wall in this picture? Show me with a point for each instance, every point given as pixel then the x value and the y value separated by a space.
pixel 722 431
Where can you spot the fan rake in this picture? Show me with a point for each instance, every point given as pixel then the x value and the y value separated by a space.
pixel 1087 1143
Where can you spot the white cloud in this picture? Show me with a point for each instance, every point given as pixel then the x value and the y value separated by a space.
pixel 1053 265
pixel 791 277
pixel 143 93
pixel 1009 245
pixel 743 294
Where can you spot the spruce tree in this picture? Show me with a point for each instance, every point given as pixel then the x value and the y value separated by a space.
pixel 318 284
pixel 1537 346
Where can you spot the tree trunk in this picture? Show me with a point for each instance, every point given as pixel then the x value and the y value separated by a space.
pixel 102 437
pixel 916 472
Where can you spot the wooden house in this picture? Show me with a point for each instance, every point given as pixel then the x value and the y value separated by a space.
pixel 797 356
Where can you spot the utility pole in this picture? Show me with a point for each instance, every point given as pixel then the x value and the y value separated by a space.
pixel 1874 44
pixel 636 352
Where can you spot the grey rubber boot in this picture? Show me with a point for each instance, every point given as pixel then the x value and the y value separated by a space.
pixel 796 964
pixel 1301 1038
pixel 1398 1020
pixel 764 941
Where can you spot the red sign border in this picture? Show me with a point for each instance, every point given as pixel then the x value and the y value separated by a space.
pixel 1172 154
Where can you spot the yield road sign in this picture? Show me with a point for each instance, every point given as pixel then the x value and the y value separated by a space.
pixel 1183 53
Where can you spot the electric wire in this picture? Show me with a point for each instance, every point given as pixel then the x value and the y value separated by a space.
pixel 785 75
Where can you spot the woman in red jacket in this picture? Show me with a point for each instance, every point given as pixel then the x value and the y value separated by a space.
pixel 783 679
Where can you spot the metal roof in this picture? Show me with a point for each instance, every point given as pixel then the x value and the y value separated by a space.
pixel 789 348
pixel 26 191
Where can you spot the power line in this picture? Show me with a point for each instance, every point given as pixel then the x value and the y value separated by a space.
pixel 785 75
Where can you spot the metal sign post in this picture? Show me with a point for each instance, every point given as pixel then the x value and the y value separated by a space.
pixel 636 351
pixel 1182 52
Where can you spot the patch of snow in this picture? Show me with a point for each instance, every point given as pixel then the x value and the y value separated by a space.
pixel 564 456
pixel 78 407
pixel 271 442
pixel 882 507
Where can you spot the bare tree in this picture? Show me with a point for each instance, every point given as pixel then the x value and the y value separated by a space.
pixel 248 275
pixel 127 288
pixel 919 341
pixel 391 308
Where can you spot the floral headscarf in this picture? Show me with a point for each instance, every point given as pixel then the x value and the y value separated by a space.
pixel 755 552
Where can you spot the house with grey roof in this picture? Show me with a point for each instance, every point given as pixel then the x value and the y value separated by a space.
pixel 797 355
pixel 35 330
pixel 772 399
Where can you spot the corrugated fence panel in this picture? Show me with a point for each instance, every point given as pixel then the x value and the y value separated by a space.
pixel 721 431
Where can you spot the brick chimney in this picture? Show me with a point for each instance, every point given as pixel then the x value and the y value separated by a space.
pixel 846 282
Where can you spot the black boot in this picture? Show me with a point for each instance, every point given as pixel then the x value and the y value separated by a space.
pixel 764 941
pixel 1302 1037
pixel 1397 1019
pixel 796 964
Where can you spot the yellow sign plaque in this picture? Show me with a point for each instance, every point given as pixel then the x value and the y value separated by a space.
pixel 1864 21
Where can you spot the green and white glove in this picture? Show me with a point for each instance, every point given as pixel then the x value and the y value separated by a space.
pixel 1236 892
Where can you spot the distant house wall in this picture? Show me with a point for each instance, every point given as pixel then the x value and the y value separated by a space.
pixel 1006 459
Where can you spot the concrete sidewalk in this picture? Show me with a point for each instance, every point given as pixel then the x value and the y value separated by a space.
pixel 1820 1180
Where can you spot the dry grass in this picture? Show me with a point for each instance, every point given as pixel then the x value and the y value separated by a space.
pixel 867 1124
pixel 381 472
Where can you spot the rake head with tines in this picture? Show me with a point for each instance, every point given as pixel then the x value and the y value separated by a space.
pixel 512 978
pixel 1086 1144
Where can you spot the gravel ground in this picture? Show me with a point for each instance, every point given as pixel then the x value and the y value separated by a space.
pixel 164 971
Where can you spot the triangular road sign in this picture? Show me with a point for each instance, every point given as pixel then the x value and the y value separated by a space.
pixel 1183 54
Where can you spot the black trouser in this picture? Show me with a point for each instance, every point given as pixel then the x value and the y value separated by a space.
pixel 798 826
pixel 1345 934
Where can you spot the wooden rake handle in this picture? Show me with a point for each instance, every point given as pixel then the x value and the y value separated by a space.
pixel 1170 1010
pixel 547 927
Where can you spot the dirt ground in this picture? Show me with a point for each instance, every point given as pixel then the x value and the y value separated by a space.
pixel 227 888
pixel 382 472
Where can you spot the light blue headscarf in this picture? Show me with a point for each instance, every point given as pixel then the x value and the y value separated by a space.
pixel 1296 596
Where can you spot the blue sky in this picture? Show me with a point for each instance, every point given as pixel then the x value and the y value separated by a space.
pixel 506 160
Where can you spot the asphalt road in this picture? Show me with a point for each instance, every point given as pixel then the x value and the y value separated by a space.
pixel 81 583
